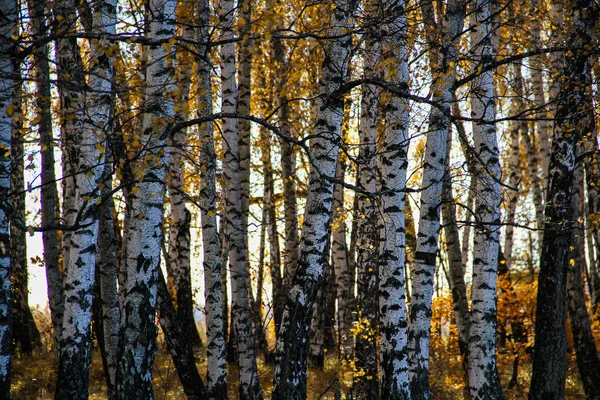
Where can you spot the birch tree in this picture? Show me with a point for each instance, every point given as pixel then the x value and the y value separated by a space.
pixel 484 382
pixel 8 24
pixel 241 313
pixel 572 123
pixel 294 336
pixel 26 336
pixel 178 260
pixel 444 72
pixel 143 217
pixel 365 383
pixel 102 115
pixel 86 158
pixel 216 383
pixel 392 159
pixel 49 194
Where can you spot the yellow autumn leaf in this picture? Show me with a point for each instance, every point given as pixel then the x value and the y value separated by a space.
pixel 10 110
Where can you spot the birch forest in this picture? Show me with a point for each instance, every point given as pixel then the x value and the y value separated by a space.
pixel 299 199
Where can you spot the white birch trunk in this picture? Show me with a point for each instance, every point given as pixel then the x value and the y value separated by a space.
pixel 444 73
pixel 87 160
pixel 238 256
pixel 516 128
pixel 178 264
pixel 216 381
pixel 543 126
pixel 484 382
pixel 366 385
pixel 49 195
pixel 104 21
pixel 344 282
pixel 8 24
pixel 143 220
pixel 294 336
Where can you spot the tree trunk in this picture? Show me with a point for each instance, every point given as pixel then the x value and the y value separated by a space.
pixel 316 355
pixel 455 264
pixel 444 72
pixel 344 282
pixel 366 382
pixel 294 335
pixel 178 265
pixel 588 362
pixel 180 349
pixel 26 336
pixel 238 256
pixel 215 302
pixel 517 129
pixel 89 145
pixel 288 162
pixel 277 295
pixel 392 251
pixel 484 381
pixel 8 25
pixel 543 125
pixel 49 195
pixel 549 362
pixel 144 209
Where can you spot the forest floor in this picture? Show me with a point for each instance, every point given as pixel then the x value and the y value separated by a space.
pixel 34 377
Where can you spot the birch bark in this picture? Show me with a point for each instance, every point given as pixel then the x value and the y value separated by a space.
pixel 344 281
pixel 86 159
pixel 49 194
pixel 178 265
pixel 8 24
pixel 484 382
pixel 216 306
pixel 288 161
pixel 294 336
pixel 144 209
pixel 588 362
pixel 444 72
pixel 392 158
pixel 25 333
pixel 365 383
pixel 572 123
pixel 238 255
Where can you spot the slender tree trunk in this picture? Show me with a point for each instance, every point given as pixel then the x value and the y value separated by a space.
pixel 455 264
pixel 104 20
pixel 392 251
pixel 106 267
pixel 178 265
pixel 49 195
pixel 87 159
pixel 484 381
pixel 444 70
pixel 572 123
pixel 144 209
pixel 588 362
pixel 8 25
pixel 244 142
pixel 344 282
pixel 238 256
pixel 180 349
pixel 366 386
pixel 294 335
pixel 543 125
pixel 275 264
pixel 26 336
pixel 288 162
pixel 316 354
pixel 514 178
pixel 214 269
